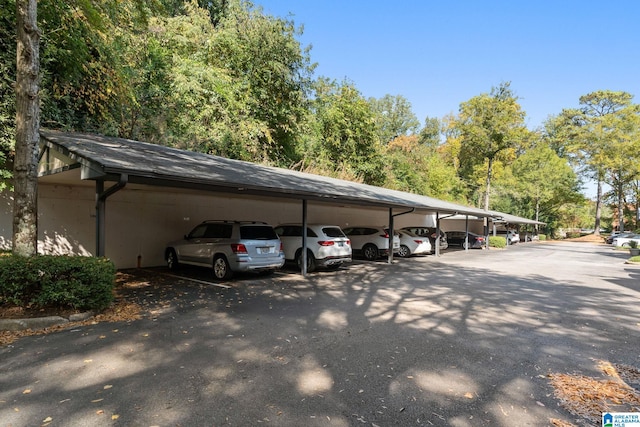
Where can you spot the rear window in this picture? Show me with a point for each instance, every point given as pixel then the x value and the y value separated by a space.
pixel 333 232
pixel 257 232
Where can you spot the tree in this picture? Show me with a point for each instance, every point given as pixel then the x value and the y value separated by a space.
pixel 545 179
pixel 345 136
pixel 431 132
pixel 489 124
pixel 25 170
pixel 598 138
pixel 394 117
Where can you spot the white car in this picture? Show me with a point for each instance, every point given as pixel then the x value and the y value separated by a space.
pixel 430 233
pixel 623 241
pixel 327 245
pixel 512 236
pixel 371 242
pixel 412 244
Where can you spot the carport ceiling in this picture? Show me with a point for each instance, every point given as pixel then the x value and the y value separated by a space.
pixel 110 159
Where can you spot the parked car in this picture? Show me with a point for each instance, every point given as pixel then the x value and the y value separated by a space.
pixel 623 240
pixel 429 232
pixel 228 247
pixel 615 235
pixel 327 245
pixel 412 244
pixel 371 242
pixel 512 236
pixel 475 241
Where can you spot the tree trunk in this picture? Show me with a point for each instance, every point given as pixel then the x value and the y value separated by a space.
pixel 25 170
pixel 596 229
pixel 620 201
pixel 488 185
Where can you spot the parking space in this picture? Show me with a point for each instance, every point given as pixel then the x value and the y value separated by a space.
pixel 468 340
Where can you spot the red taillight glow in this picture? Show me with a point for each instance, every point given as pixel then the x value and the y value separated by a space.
pixel 238 248
pixel 385 235
pixel 418 241
pixel 348 242
pixel 326 243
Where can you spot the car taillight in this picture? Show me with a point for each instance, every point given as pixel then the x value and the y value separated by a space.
pixel 326 243
pixel 238 248
pixel 480 239
pixel 418 241
pixel 385 235
pixel 348 242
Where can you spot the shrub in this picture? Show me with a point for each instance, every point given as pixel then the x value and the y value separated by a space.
pixel 57 281
pixel 497 242
pixel 633 244
pixel 635 258
pixel 542 237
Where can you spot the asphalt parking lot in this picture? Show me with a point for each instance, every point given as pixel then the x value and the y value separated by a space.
pixel 466 339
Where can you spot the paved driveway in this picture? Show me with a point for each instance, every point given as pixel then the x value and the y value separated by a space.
pixel 460 340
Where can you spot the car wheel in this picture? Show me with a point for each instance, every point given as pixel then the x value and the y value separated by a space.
pixel 221 268
pixel 172 260
pixel 370 252
pixel 404 251
pixel 311 261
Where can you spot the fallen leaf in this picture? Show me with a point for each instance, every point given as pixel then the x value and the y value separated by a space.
pixel 107 387
pixel 468 395
pixel 88 360
pixel 27 391
pixel 47 420
pixel 99 412
pixel 115 416
pixel 97 400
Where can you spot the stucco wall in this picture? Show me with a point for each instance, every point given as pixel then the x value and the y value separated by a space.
pixel 140 222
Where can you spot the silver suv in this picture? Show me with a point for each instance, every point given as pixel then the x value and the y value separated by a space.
pixel 327 246
pixel 228 247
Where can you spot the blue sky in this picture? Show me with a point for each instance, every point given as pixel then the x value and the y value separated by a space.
pixel 438 54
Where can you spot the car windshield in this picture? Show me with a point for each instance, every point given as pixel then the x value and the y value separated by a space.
pixel 257 232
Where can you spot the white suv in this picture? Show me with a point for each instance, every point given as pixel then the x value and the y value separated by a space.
pixel 228 246
pixel 512 236
pixel 371 242
pixel 327 246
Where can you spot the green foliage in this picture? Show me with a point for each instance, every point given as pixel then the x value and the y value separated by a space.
pixel 488 125
pixel 633 244
pixel 542 237
pixel 393 117
pixel 344 126
pixel 7 94
pixel 57 281
pixel 497 242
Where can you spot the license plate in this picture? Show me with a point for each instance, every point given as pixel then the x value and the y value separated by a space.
pixel 264 249
pixel 341 244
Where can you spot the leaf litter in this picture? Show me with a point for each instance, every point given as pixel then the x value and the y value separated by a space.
pixel 588 397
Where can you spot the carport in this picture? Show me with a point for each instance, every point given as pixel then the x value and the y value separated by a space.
pixel 115 163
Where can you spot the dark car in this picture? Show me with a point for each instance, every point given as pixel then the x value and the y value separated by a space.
pixel 475 241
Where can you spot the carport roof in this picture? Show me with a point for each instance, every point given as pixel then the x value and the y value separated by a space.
pixel 112 159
